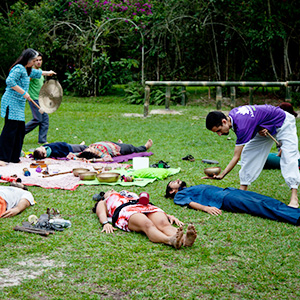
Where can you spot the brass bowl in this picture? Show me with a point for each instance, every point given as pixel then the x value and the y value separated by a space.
pixel 212 171
pixel 77 171
pixel 108 177
pixel 88 175
pixel 99 169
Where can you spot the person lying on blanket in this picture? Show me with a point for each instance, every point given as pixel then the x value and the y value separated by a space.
pixel 104 151
pixel 14 199
pixel 146 218
pixel 212 200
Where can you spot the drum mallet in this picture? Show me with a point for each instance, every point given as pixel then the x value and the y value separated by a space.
pixel 40 110
pixel 278 144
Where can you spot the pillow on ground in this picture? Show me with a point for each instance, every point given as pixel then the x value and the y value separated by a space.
pixel 158 173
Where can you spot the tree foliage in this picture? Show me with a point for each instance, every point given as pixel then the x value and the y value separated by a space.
pixel 94 43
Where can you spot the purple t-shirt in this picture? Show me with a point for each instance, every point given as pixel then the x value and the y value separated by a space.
pixel 249 119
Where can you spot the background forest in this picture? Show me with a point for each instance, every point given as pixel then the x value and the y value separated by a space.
pixel 93 44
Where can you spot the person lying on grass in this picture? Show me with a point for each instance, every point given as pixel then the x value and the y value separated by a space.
pixel 149 219
pixel 213 200
pixel 105 151
pixel 14 199
pixel 102 151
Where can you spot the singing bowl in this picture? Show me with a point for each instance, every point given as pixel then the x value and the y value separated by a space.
pixel 99 169
pixel 78 171
pixel 108 177
pixel 212 171
pixel 88 175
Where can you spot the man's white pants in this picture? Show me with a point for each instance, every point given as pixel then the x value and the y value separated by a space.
pixel 256 151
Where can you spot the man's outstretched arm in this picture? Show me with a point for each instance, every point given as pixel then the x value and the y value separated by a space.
pixel 22 205
pixel 208 209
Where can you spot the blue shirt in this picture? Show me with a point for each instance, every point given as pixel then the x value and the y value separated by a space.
pixel 12 99
pixel 208 195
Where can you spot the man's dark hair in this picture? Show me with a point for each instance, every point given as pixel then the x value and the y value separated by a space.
pixel 214 118
pixel 37 154
pixel 87 155
pixel 168 190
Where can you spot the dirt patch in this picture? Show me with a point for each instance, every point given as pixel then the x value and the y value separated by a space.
pixel 165 112
pixel 25 269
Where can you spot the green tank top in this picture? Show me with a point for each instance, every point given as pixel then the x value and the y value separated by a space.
pixel 35 87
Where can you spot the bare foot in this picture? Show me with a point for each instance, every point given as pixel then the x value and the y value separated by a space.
pixel 176 240
pixel 2 163
pixel 82 143
pixel 120 141
pixel 190 236
pixel 294 203
pixel 148 144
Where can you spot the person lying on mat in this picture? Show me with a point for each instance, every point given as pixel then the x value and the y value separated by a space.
pixel 213 200
pixel 146 218
pixel 103 151
pixel 14 200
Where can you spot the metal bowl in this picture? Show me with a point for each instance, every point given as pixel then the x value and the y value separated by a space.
pixel 108 177
pixel 77 171
pixel 212 171
pixel 99 169
pixel 88 175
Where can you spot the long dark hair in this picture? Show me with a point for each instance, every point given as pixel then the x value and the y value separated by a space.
pixel 25 57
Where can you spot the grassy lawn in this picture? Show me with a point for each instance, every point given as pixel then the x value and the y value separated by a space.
pixel 235 256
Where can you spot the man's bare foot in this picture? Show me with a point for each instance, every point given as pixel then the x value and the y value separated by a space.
pixel 149 144
pixel 176 240
pixel 2 163
pixel 190 236
pixel 294 203
pixel 82 143
pixel 120 141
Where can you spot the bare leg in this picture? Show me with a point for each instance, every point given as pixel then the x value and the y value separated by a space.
pixel 161 222
pixel 190 236
pixel 294 199
pixel 149 144
pixel 141 223
pixel 244 187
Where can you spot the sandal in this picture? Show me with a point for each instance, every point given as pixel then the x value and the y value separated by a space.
pixel 189 158
pixel 161 164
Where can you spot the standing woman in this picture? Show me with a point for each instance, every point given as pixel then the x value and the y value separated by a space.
pixel 13 105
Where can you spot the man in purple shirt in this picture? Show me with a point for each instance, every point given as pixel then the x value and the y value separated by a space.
pixel 251 124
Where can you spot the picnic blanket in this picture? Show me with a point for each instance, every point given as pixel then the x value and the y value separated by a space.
pixel 65 181
pixel 145 176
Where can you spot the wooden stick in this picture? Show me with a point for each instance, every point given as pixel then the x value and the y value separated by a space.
pixel 34 230
pixel 32 101
pixel 57 174
pixel 269 135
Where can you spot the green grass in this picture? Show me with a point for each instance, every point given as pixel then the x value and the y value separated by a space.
pixel 235 256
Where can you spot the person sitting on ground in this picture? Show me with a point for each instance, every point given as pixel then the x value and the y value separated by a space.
pixel 149 219
pixel 57 150
pixel 105 151
pixel 213 200
pixel 14 199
